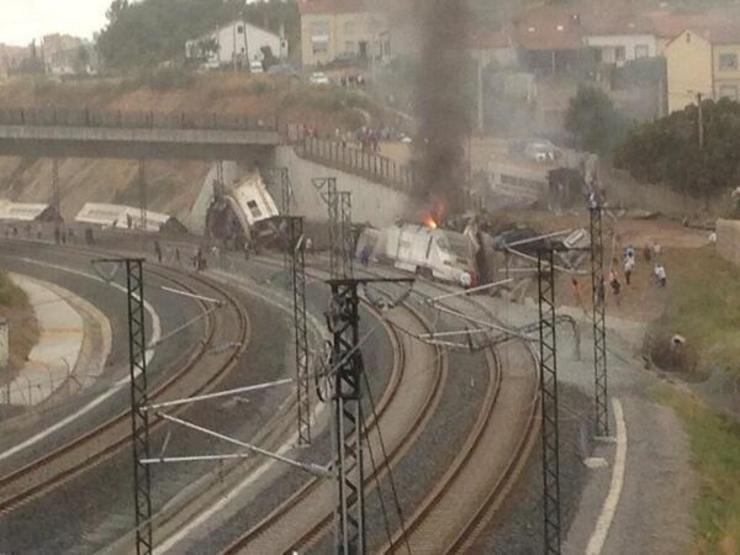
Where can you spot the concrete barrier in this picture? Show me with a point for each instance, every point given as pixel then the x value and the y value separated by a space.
pixel 372 202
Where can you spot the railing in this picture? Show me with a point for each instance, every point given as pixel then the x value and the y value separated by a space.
pixel 364 163
pixel 65 117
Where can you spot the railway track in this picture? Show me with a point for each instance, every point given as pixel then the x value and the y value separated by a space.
pixel 410 399
pixel 453 514
pixel 67 461
pixel 464 500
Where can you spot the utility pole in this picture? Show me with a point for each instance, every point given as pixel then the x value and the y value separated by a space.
pixel 549 400
pixel 137 348
pixel 601 396
pixel 481 122
pixel 296 246
pixel 142 196
pixel 56 198
pixel 339 207
pixel 346 237
pixel 343 320
pixel 700 120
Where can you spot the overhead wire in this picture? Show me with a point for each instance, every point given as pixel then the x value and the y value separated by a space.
pixel 394 490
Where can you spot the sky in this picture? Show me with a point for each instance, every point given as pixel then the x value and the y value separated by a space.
pixel 21 21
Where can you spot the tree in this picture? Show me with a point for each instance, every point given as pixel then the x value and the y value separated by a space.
pixel 594 122
pixel 82 60
pixel 667 150
pixel 116 8
pixel 144 34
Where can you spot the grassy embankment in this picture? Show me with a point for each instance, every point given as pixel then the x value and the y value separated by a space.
pixel 715 450
pixel 704 306
pixel 24 333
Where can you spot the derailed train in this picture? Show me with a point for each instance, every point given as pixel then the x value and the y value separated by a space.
pixel 243 213
pixel 429 252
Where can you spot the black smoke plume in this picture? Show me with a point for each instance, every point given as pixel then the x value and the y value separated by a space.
pixel 441 108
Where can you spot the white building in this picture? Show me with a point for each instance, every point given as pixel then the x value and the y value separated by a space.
pixel 620 48
pixel 234 44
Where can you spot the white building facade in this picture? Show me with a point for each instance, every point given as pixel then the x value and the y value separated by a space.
pixel 617 49
pixel 235 45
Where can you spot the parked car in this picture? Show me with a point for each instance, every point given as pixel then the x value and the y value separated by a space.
pixel 318 78
pixel 541 150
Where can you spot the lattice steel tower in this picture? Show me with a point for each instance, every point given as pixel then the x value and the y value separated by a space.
pixel 346 360
pixel 346 237
pixel 298 271
pixel 549 400
pixel 139 401
pixel 599 322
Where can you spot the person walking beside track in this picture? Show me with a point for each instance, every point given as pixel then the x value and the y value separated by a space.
pixel 660 275
pixel 629 266
pixel 616 286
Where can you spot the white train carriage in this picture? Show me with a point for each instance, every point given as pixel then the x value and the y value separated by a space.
pixel 253 205
pixel 120 216
pixel 246 210
pixel 432 253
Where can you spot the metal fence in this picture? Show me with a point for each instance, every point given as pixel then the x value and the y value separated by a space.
pixel 67 117
pixel 364 163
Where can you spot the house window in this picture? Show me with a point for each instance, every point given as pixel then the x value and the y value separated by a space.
pixel 641 51
pixel 728 91
pixel 620 53
pixel 349 28
pixel 320 35
pixel 728 62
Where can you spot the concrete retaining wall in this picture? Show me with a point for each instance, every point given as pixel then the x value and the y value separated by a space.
pixel 371 202
pixel 623 190
pixel 728 240
pixel 196 219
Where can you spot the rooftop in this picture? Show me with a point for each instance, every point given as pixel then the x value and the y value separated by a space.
pixel 331 6
pixel 481 38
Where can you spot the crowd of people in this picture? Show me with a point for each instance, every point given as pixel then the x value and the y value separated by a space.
pixel 351 80
pixel 613 280
pixel 651 254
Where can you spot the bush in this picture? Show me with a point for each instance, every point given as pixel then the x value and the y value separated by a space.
pixel 164 79
pixel 669 357
pixel 594 122
pixel 259 87
pixel 666 150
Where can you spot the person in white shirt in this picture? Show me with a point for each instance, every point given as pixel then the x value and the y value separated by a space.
pixel 660 275
pixel 629 266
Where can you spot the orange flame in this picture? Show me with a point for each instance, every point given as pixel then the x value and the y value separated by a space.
pixel 429 221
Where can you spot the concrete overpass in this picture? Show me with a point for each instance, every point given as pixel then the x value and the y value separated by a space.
pixel 64 133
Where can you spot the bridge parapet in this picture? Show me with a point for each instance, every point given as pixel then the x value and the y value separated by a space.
pixel 118 119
